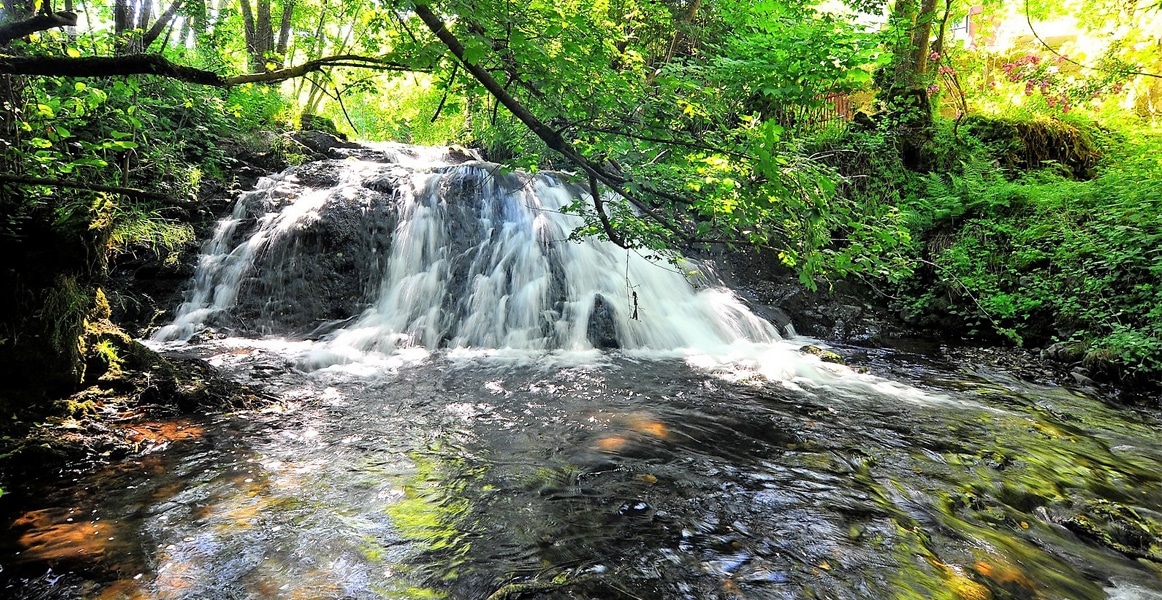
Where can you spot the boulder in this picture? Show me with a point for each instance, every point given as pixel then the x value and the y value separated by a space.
pixel 602 327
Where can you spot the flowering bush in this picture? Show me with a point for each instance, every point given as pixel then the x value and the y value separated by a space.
pixel 1060 90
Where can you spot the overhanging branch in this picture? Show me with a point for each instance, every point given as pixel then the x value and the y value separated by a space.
pixel 156 64
pixel 42 22
pixel 552 138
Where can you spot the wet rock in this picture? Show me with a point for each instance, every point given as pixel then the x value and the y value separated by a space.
pixel 1080 376
pixel 323 271
pixel 842 311
pixel 602 328
pixel 322 143
pixel 1063 352
pixel 459 154
pixel 318 174
pixel 634 509
pixel 824 355
pixel 1118 527
pixel 388 182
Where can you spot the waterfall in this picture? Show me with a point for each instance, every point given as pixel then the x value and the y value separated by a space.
pixel 399 247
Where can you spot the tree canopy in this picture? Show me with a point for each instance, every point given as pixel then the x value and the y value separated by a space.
pixel 682 116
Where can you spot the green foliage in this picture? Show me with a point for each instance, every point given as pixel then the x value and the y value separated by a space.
pixel 65 305
pixel 1046 258
pixel 135 224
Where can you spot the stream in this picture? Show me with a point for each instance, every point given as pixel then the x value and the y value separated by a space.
pixel 471 406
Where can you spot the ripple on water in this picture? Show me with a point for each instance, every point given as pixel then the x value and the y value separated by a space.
pixel 461 475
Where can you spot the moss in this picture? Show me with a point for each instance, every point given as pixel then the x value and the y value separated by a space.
pixel 1118 527
pixel 1026 145
pixel 824 355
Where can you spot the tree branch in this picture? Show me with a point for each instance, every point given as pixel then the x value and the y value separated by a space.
pixel 552 138
pixel 1029 20
pixel 88 187
pixel 42 22
pixel 156 64
pixel 165 19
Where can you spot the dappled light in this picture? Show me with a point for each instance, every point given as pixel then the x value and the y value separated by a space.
pixel 644 299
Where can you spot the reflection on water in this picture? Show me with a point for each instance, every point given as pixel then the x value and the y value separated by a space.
pixel 488 477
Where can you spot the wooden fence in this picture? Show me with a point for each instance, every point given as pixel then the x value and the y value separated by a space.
pixel 833 107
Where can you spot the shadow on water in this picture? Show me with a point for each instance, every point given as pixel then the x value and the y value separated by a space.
pixel 629 478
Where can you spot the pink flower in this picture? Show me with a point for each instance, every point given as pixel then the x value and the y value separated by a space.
pixel 932 89
pixel 934 56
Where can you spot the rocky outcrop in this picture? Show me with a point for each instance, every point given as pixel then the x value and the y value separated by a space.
pixel 602 327
pixel 843 312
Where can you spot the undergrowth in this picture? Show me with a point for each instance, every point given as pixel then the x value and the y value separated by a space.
pixel 1041 258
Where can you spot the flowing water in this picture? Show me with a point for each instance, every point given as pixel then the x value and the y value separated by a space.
pixel 471 406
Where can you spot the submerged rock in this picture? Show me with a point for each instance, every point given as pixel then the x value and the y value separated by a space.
pixel 824 355
pixel 602 328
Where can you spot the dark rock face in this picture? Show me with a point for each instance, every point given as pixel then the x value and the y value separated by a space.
pixel 323 271
pixel 602 327
pixel 322 143
pixel 845 313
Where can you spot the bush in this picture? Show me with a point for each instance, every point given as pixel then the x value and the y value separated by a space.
pixel 1046 258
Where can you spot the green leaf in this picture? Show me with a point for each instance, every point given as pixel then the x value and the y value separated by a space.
pixel 89 162
pixel 39 142
pixel 73 52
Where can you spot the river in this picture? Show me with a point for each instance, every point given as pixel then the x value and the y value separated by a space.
pixel 505 414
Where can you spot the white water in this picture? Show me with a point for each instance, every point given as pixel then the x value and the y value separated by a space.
pixel 475 332
pixel 480 268
pixel 520 285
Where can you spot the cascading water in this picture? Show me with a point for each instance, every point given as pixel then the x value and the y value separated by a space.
pixel 453 421
pixel 476 258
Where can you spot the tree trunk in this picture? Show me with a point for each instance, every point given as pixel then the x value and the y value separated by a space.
pixel 264 35
pixel 120 17
pixel 259 30
pixel 903 92
pixel 284 29
pixel 163 21
pixel 921 35
pixel 144 13
pixel 249 31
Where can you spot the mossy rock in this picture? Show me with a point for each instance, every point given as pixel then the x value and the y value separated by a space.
pixel 312 122
pixel 1025 145
pixel 824 355
pixel 1119 528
